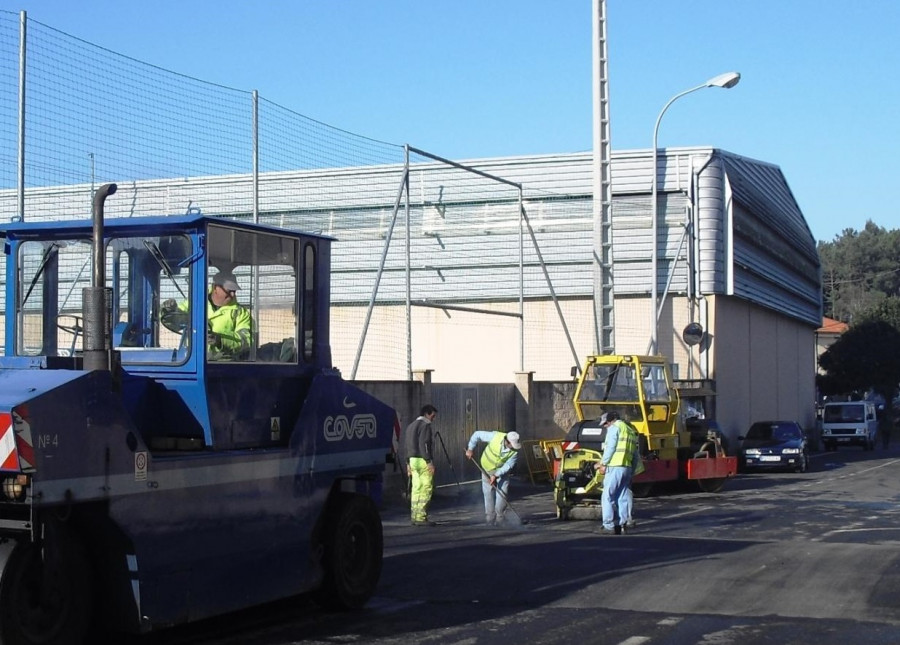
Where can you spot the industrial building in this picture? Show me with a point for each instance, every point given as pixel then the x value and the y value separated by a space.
pixel 735 256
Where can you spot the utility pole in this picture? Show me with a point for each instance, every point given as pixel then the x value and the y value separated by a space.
pixel 604 319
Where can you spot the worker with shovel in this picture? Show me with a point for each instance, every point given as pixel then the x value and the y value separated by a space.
pixel 496 463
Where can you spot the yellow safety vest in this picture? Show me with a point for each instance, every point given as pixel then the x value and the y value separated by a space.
pixel 491 459
pixel 233 325
pixel 231 322
pixel 625 446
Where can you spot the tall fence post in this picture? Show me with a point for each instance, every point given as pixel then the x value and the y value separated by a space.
pixel 255 157
pixel 521 282
pixel 409 373
pixel 23 29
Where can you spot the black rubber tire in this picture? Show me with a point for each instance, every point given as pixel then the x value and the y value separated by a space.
pixel 642 490
pixel 46 595
pixel 353 544
pixel 711 485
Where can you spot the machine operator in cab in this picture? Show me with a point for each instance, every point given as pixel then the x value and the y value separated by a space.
pixel 229 324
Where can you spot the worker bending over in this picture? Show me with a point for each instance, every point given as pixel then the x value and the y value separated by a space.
pixel 497 462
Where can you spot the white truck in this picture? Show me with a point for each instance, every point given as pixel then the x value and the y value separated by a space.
pixel 849 423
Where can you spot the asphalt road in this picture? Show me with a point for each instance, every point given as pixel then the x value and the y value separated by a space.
pixel 773 558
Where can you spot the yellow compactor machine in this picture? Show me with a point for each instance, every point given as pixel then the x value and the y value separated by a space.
pixel 641 390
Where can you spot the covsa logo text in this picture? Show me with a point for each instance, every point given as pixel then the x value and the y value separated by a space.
pixel 359 426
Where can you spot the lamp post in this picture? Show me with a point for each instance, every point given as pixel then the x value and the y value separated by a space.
pixel 726 81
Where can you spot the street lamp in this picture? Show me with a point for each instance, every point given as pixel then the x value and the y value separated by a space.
pixel 726 81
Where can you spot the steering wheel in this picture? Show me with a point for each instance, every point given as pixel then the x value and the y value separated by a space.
pixel 175 321
pixel 76 329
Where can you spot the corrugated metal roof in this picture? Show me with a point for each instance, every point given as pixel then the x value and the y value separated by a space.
pixel 775 261
pixel 763 190
pixel 464 232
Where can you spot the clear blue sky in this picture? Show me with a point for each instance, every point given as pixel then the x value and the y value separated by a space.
pixel 481 78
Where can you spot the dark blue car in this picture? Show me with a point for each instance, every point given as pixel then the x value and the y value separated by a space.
pixel 775 445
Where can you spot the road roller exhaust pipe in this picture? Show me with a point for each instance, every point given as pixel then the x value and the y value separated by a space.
pixel 97 314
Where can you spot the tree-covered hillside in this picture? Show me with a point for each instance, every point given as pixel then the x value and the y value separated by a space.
pixel 861 275
pixel 861 287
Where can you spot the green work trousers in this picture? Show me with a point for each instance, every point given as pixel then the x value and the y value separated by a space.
pixel 422 485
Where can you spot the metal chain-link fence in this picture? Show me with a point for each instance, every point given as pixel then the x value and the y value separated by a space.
pixel 464 287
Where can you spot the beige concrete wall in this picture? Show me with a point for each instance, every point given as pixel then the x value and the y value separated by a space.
pixel 462 346
pixel 762 364
pixel 633 333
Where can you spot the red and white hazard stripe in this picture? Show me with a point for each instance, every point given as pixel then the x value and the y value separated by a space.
pixel 16 449
pixel 570 445
pixel 24 443
pixel 9 456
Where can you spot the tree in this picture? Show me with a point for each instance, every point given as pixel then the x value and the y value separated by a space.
pixel 887 309
pixel 866 356
pixel 859 270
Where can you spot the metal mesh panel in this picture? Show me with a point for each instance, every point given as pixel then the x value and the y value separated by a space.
pixel 174 143
pixel 9 82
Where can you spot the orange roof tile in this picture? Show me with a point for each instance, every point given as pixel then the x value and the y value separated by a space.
pixel 831 326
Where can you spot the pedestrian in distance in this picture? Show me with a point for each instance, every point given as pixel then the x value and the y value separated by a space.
pixel 496 464
pixel 620 462
pixel 418 446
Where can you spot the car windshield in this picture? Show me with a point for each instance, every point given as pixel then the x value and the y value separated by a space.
pixel 844 413
pixel 776 431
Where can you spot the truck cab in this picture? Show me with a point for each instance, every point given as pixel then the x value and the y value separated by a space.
pixel 849 423
pixel 160 478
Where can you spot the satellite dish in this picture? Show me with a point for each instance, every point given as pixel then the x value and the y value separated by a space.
pixel 692 334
